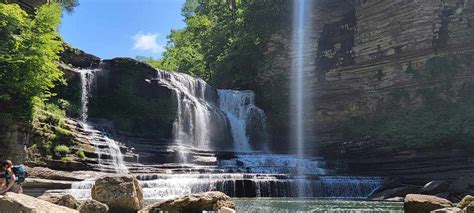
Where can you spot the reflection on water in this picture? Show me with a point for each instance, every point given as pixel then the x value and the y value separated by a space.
pixel 251 205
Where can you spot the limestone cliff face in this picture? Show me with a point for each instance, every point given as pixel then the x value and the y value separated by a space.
pixel 371 56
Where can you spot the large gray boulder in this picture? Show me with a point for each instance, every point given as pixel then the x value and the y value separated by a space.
pixel 93 206
pixel 120 193
pixel 463 185
pixel 14 203
pixel 195 203
pixel 416 203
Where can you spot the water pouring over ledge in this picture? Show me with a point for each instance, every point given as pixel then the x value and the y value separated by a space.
pixel 239 174
pixel 100 139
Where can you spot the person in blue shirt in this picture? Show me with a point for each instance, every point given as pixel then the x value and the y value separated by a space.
pixel 9 183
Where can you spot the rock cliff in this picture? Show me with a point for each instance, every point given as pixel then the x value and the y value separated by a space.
pixel 370 57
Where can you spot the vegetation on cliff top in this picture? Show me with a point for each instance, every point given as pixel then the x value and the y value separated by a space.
pixel 223 41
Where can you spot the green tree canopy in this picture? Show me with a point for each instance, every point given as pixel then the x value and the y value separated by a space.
pixel 223 39
pixel 28 56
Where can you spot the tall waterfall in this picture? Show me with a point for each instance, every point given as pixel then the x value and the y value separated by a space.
pixel 198 123
pixel 211 119
pixel 103 144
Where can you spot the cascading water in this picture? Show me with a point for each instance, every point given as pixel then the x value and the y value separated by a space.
pixel 199 123
pixel 207 118
pixel 104 145
pixel 244 118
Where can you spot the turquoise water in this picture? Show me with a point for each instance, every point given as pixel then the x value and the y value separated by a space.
pixel 309 205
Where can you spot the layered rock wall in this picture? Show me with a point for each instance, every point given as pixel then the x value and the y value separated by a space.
pixel 371 57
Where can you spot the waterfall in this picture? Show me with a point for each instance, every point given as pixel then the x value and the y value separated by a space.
pixel 197 118
pixel 99 139
pixel 87 77
pixel 245 118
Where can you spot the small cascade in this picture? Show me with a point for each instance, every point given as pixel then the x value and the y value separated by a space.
pixel 100 139
pixel 247 121
pixel 167 186
pixel 274 164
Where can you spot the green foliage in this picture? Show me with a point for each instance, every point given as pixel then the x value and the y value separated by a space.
pixel 61 150
pixel 438 123
pixel 28 56
pixel 441 67
pixel 224 40
pixel 67 159
pixel 154 63
pixel 81 154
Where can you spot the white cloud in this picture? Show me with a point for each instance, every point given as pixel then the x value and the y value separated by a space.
pixel 147 42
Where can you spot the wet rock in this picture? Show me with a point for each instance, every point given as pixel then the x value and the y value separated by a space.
pixel 416 203
pixel 469 209
pixel 120 193
pixel 434 187
pixel 207 201
pixel 395 192
pixel 463 185
pixel 13 202
pixel 63 200
pixel 448 210
pixel 93 206
pixel 466 201
pixel 46 173
pixel 395 199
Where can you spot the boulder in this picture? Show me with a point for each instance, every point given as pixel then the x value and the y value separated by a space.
pixel 434 187
pixel 416 203
pixel 227 210
pixel 120 193
pixel 207 201
pixel 463 185
pixel 13 202
pixel 466 201
pixel 448 210
pixel 93 206
pixel 62 200
pixel 395 192
pixel 469 209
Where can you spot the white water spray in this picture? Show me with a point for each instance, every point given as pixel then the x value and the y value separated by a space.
pixel 243 115
pixel 99 138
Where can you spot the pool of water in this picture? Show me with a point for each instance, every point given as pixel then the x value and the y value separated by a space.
pixel 311 205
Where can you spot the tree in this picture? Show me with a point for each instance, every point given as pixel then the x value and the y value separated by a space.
pixel 28 56
pixel 223 41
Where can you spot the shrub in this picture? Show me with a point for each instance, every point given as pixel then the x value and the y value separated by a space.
pixel 81 154
pixel 61 150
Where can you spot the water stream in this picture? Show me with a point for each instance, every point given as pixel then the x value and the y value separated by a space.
pixel 220 133
pixel 101 140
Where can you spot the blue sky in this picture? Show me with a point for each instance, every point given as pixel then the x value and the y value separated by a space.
pixel 113 28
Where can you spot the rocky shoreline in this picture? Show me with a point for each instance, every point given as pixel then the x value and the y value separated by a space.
pixel 111 193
